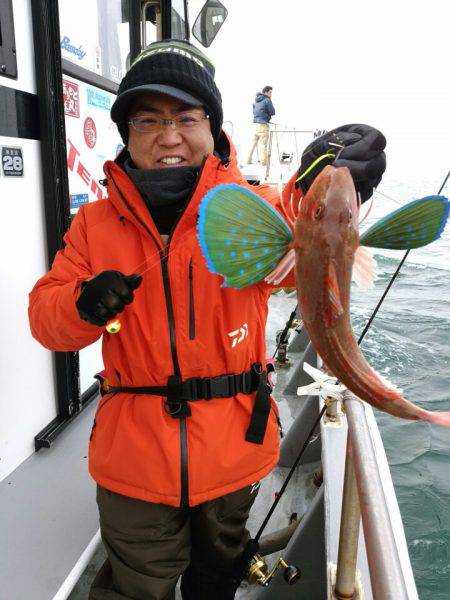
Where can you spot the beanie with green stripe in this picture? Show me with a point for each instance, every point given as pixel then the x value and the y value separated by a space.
pixel 175 68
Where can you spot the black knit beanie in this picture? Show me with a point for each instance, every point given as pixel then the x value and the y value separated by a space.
pixel 175 68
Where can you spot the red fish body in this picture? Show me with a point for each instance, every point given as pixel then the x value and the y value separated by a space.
pixel 326 239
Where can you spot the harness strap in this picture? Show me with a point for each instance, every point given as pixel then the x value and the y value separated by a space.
pixel 261 411
pixel 179 393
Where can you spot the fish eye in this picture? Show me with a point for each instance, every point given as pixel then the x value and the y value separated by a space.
pixel 318 212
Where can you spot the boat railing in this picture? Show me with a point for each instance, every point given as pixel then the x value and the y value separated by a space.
pixel 364 498
pixel 276 131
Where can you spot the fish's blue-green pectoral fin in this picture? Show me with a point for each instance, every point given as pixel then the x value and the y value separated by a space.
pixel 241 236
pixel 416 224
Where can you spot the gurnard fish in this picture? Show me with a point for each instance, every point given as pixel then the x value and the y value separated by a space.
pixel 326 240
pixel 245 240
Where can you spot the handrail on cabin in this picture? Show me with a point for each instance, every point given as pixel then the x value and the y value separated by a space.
pixel 362 476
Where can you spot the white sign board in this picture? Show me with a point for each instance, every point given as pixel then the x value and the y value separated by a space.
pixel 92 138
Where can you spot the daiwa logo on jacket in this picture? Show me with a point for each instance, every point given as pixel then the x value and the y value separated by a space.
pixel 239 335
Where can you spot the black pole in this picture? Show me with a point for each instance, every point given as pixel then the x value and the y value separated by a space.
pixel 166 19
pixel 134 18
pixel 187 30
pixel 49 84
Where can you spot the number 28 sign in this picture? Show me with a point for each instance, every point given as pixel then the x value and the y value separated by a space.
pixel 12 161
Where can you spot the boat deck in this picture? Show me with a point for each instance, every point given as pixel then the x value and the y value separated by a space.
pixel 48 516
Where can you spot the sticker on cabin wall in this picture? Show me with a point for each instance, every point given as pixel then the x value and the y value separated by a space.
pixel 98 98
pixel 12 161
pixel 69 47
pixel 76 165
pixel 76 200
pixel 71 99
pixel 90 132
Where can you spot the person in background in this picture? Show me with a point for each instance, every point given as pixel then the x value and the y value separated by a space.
pixel 185 428
pixel 263 111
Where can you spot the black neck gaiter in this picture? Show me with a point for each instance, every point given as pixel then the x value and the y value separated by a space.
pixel 166 192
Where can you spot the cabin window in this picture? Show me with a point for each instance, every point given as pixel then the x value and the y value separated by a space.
pixel 8 62
pixel 179 24
pixel 99 44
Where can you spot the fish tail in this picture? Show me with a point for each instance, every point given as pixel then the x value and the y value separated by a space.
pixel 374 389
pixel 440 418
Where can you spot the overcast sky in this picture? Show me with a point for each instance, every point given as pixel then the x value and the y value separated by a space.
pixel 383 62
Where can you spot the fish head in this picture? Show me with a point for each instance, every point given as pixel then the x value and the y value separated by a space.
pixel 326 239
pixel 328 213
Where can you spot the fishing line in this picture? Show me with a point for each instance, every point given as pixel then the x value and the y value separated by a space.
pixel 389 197
pixel 113 326
pixel 313 164
pixel 156 255
pixel 369 322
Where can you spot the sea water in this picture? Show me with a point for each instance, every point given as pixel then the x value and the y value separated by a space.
pixel 409 343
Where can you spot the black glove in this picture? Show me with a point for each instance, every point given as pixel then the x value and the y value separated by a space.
pixel 363 155
pixel 105 295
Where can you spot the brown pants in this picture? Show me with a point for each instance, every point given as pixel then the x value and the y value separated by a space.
pixel 260 139
pixel 150 546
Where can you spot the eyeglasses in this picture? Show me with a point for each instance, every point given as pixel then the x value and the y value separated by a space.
pixel 150 124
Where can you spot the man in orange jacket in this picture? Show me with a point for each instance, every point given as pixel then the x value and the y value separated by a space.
pixel 186 428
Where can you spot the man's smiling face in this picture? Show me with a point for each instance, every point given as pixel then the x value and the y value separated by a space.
pixel 168 146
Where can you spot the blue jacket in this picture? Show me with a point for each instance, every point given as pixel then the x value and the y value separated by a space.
pixel 262 108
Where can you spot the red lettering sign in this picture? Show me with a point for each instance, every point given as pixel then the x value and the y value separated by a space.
pixel 74 164
pixel 71 99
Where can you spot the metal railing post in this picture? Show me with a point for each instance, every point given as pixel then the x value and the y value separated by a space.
pixel 386 574
pixel 349 532
pixel 269 153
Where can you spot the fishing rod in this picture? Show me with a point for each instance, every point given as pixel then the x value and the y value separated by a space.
pixel 250 563
pixel 284 333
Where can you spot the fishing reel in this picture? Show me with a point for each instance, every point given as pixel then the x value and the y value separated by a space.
pixel 282 344
pixel 258 571
pixel 282 341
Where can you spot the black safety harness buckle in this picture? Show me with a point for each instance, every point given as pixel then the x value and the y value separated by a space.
pixel 176 405
pixel 179 393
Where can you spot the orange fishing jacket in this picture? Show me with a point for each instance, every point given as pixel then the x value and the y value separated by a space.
pixel 182 322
